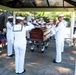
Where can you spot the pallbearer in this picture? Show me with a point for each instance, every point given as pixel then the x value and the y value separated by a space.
pixel 19 40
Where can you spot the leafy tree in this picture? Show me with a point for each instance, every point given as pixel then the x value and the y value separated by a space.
pixel 48 15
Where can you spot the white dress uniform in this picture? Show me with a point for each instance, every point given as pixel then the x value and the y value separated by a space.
pixel 52 32
pixel 65 24
pixel 41 22
pixel 59 30
pixel 19 40
pixel 8 35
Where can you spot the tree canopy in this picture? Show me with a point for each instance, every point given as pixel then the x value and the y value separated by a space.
pixel 48 15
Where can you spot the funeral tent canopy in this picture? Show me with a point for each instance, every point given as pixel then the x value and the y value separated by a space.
pixel 37 5
pixel 40 5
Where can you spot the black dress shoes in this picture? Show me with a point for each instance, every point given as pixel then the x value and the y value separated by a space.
pixel 21 72
pixel 54 61
pixel 11 55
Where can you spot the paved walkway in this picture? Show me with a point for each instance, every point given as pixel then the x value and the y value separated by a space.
pixel 37 63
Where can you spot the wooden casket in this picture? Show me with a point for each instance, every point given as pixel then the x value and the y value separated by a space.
pixel 40 37
pixel 40 34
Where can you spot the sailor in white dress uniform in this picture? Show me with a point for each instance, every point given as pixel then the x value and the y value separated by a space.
pixel 19 40
pixel 9 26
pixel 59 30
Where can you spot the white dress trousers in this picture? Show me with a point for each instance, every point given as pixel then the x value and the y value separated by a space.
pixel 19 40
pixel 59 30
pixel 9 35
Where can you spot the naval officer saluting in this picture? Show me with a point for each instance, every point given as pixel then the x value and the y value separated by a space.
pixel 19 40
pixel 59 30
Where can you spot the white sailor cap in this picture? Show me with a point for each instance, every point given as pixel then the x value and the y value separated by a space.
pixel 37 19
pixel 41 18
pixel 61 15
pixel 20 18
pixel 10 17
pixel 51 20
pixel 32 18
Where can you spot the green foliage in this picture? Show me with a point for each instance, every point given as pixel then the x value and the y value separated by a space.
pixel 46 19
pixel 46 15
pixel 23 13
pixel 67 19
pixel 41 14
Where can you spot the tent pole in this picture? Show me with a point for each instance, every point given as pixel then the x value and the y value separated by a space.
pixel 72 28
pixel 14 17
pixel 75 67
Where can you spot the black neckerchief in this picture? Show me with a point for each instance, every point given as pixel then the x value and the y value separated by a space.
pixel 57 24
pixel 11 23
